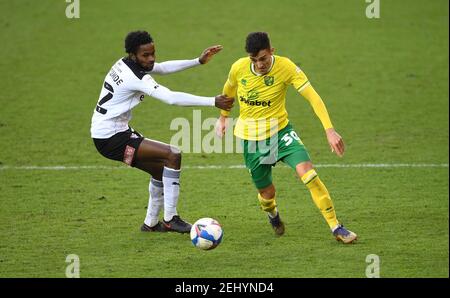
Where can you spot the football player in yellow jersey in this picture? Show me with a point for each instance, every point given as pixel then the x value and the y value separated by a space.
pixel 259 83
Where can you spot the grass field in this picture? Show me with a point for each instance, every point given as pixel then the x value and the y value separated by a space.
pixel 385 84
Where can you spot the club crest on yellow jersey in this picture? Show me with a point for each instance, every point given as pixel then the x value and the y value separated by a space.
pixel 269 80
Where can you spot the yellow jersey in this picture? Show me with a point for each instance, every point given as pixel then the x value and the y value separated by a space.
pixel 262 98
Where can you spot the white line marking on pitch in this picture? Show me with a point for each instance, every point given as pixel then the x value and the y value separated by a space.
pixel 361 165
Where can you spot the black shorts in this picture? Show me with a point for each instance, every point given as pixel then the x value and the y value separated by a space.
pixel 122 146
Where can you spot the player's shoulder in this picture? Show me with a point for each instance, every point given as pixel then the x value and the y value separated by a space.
pixel 286 64
pixel 283 61
pixel 241 63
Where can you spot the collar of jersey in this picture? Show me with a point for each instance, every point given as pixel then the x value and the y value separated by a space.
pixel 135 65
pixel 252 68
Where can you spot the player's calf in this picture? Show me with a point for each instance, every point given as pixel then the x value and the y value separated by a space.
pixel 270 206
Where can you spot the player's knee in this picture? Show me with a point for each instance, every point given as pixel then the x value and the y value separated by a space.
pixel 174 157
pixel 303 168
pixel 268 192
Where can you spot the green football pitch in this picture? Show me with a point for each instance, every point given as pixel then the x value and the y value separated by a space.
pixel 384 81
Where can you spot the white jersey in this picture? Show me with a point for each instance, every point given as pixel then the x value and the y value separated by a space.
pixel 124 88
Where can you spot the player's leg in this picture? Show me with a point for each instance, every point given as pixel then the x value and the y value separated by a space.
pixel 266 197
pixel 156 197
pixel 164 161
pixel 261 173
pixel 154 168
pixel 123 147
pixel 153 155
pixel 319 192
pixel 294 153
pixel 322 199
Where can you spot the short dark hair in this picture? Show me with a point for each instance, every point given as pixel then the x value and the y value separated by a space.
pixel 257 41
pixel 135 39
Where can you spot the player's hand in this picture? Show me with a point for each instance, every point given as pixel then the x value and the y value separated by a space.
pixel 336 142
pixel 224 103
pixel 208 53
pixel 221 126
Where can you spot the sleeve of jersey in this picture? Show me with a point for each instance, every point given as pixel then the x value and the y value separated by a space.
pixel 174 66
pixel 318 106
pixel 297 77
pixel 180 98
pixel 229 89
pixel 149 86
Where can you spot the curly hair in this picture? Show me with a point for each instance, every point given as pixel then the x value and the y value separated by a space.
pixel 135 39
pixel 257 41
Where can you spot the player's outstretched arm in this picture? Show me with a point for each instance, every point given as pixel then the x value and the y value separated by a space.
pixel 334 139
pixel 185 99
pixel 168 67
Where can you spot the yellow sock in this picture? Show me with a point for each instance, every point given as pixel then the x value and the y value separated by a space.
pixel 321 197
pixel 268 205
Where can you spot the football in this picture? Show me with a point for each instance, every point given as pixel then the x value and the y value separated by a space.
pixel 206 233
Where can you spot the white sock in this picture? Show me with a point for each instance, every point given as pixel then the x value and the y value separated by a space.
pixel 155 202
pixel 171 181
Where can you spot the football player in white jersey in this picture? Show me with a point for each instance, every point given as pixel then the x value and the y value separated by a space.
pixel 125 86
